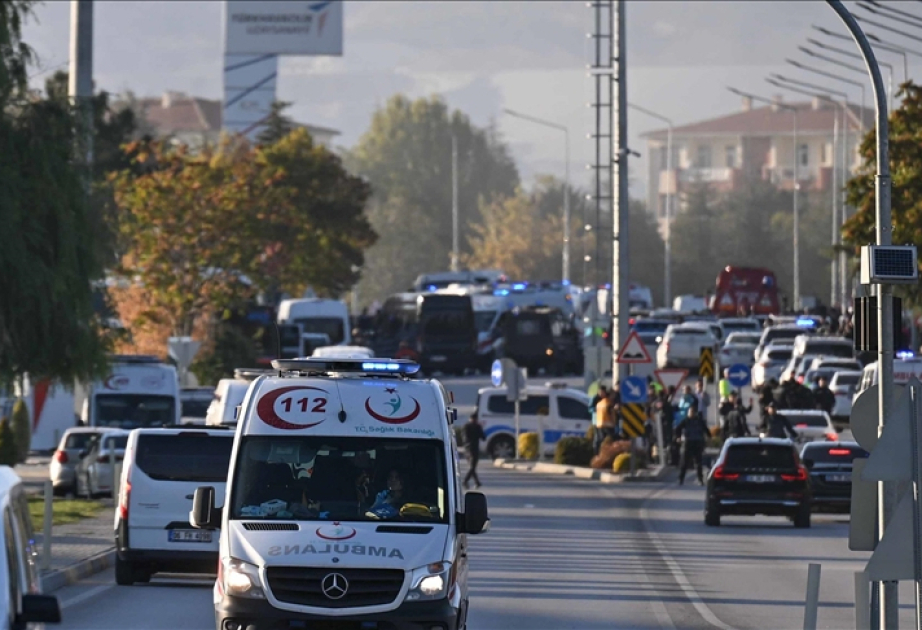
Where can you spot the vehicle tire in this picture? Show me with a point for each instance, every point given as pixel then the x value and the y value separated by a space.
pixel 802 518
pixel 712 515
pixel 125 573
pixel 502 447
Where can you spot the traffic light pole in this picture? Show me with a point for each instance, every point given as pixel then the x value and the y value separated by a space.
pixel 888 596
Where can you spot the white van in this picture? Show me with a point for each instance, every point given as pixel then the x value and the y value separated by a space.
pixel 824 346
pixel 140 391
pixel 228 396
pixel 557 410
pixel 161 470
pixel 318 315
pixel 689 304
pixel 903 370
pixel 344 502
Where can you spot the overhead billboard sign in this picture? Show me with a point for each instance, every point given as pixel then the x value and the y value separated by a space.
pixel 283 27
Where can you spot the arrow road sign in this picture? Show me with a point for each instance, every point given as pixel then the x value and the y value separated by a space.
pixel 634 390
pixel 672 377
pixel 634 350
pixel 739 375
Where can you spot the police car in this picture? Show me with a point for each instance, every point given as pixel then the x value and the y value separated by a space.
pixel 343 502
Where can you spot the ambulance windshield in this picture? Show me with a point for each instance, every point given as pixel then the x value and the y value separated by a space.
pixel 340 479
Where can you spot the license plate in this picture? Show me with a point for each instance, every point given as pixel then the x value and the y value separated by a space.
pixel 840 478
pixel 438 358
pixel 760 478
pixel 190 535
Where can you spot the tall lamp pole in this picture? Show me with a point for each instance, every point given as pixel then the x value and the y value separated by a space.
pixel 667 244
pixel 80 79
pixel 455 248
pixel 796 208
pixel 566 184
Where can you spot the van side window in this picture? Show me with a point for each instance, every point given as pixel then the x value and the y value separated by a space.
pixel 573 409
pixel 532 406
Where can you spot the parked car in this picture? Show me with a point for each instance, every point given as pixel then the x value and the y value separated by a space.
pixel 558 410
pixel 769 364
pixel 22 602
pixel 682 343
pixel 758 476
pixel 194 402
pixel 811 425
pixel 65 459
pixel 95 472
pixel 843 385
pixel 161 471
pixel 738 347
pixel 830 467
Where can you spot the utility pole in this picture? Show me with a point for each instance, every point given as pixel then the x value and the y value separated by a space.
pixel 455 257
pixel 834 263
pixel 620 272
pixel 566 207
pixel 80 78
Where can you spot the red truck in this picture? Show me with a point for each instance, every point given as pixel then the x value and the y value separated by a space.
pixel 745 291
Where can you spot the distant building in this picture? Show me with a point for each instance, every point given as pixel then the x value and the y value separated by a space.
pixel 756 142
pixel 197 121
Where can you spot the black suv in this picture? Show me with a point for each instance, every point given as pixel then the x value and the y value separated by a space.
pixel 830 466
pixel 758 476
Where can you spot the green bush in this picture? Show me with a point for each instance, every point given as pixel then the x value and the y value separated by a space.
pixel 573 451
pixel 7 444
pixel 21 425
pixel 528 446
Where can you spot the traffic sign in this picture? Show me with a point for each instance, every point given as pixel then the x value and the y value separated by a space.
pixel 672 377
pixel 633 418
pixel 633 390
pixel 739 375
pixel 634 350
pixel 496 373
pixel 706 362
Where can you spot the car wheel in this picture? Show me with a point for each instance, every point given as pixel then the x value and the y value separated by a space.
pixel 712 515
pixel 124 572
pixel 802 518
pixel 502 447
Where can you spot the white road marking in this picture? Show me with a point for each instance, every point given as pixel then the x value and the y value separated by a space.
pixel 82 597
pixel 674 568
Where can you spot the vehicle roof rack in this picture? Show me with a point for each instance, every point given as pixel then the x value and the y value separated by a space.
pixel 376 366
pixel 248 374
pixel 134 358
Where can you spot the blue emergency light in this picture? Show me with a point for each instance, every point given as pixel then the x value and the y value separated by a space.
pixel 501 292
pixel 905 354
pixel 519 286
pixel 806 322
pixel 361 366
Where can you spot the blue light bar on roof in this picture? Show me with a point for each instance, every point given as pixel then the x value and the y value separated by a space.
pixel 806 322
pixel 362 366
pixel 518 286
pixel 501 292
pixel 905 354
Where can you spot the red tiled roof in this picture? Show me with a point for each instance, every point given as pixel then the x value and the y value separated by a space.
pixel 769 121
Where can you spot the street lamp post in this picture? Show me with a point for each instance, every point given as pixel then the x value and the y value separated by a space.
pixel 455 252
pixel 667 241
pixel 879 43
pixel 796 208
pixel 566 184
pixel 835 77
pixel 845 53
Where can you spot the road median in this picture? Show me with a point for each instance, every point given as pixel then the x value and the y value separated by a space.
pixel 655 473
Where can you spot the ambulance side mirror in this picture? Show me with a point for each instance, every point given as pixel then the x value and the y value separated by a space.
pixel 475 519
pixel 204 514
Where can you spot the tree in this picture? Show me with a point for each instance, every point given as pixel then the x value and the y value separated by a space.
pixel 906 172
pixel 278 125
pixel 22 430
pixel 406 155
pixel 15 55
pixel 646 250
pixel 230 349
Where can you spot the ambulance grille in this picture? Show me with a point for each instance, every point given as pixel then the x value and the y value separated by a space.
pixel 303 586
pixel 271 527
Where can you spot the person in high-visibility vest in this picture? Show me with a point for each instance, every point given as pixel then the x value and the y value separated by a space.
pixel 724 386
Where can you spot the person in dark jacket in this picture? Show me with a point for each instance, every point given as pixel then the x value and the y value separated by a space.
pixel 693 431
pixel 777 425
pixel 823 396
pixel 738 419
pixel 473 434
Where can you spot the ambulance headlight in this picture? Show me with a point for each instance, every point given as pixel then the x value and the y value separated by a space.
pixel 241 579
pixel 431 582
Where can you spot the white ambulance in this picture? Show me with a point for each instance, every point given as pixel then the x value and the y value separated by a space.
pixel 139 392
pixel 343 502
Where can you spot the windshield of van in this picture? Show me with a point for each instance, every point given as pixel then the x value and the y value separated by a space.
pixel 332 327
pixel 133 411
pixel 447 322
pixel 319 478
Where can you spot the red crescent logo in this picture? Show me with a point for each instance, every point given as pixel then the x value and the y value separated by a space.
pixel 265 408
pixel 401 420
pixel 347 537
pixel 116 381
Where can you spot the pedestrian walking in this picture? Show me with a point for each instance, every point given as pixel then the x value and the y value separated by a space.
pixel 693 431
pixel 738 419
pixel 777 425
pixel 704 399
pixel 823 396
pixel 473 434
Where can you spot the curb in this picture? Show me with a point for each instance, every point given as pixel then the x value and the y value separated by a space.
pixel 54 580
pixel 602 476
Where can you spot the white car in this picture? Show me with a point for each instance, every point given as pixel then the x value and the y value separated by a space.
pixel 682 343
pixel 835 363
pixel 770 363
pixel 843 385
pixel 785 333
pixel 161 470
pixel 738 348
pixel 811 425
pixel 559 411
pixel 731 325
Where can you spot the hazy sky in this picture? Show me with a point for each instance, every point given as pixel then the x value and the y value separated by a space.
pixel 481 56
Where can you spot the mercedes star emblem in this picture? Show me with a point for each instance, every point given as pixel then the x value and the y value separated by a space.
pixel 334 586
